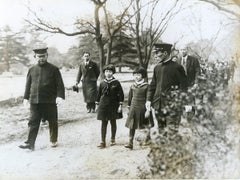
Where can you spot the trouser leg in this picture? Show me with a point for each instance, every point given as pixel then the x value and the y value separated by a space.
pixel 113 129
pixel 92 106
pixel 104 130
pixel 34 124
pixel 161 123
pixel 53 130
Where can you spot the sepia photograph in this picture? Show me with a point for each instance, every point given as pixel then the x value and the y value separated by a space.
pixel 119 89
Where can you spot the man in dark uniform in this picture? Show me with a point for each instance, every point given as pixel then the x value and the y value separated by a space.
pixel 168 77
pixel 88 72
pixel 45 91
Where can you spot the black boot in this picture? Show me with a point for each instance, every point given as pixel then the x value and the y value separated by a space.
pixel 129 146
pixel 27 146
pixel 102 145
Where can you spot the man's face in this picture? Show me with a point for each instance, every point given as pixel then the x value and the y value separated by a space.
pixel 42 58
pixel 86 57
pixel 160 56
pixel 183 51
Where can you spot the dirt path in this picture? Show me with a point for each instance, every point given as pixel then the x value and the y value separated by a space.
pixel 76 156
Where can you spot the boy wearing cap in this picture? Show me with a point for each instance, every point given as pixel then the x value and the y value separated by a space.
pixel 44 91
pixel 167 76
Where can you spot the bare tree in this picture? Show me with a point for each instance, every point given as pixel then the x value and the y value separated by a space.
pixel 231 7
pixel 84 27
pixel 146 30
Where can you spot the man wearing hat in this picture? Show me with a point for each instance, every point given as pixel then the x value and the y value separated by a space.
pixel 168 77
pixel 44 91
pixel 88 72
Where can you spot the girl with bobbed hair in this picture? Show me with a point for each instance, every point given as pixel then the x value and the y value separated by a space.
pixel 136 105
pixel 109 104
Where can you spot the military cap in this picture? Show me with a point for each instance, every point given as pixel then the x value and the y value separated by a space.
pixel 40 49
pixel 162 47
pixel 141 71
pixel 110 67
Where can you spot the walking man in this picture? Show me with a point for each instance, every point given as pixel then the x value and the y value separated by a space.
pixel 88 72
pixel 168 77
pixel 44 91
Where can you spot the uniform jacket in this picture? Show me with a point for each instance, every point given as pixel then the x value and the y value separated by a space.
pixel 110 95
pixel 165 76
pixel 192 69
pixel 44 83
pixel 88 73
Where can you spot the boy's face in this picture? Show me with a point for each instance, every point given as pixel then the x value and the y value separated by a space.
pixel 108 73
pixel 137 76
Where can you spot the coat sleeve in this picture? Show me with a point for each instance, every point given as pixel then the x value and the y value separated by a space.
pixel 99 93
pixel 60 85
pixel 152 87
pixel 197 68
pixel 28 85
pixel 130 95
pixel 120 93
pixel 79 75
pixel 182 78
pixel 97 71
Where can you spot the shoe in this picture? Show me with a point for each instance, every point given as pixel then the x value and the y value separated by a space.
pixel 129 146
pixel 27 146
pixel 93 110
pixel 88 110
pixel 54 144
pixel 112 143
pixel 101 145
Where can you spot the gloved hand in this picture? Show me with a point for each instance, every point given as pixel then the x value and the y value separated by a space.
pixel 96 107
pixel 119 109
pixel 147 114
pixel 59 101
pixel 148 105
pixel 188 108
pixel 25 103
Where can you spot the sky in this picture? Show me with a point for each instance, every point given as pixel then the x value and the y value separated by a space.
pixel 194 22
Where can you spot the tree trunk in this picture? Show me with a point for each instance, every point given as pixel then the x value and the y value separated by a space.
pixel 99 40
pixel 109 51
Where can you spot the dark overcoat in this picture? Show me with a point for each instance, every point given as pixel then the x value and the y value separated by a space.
pixel 136 102
pixel 89 75
pixel 110 95
pixel 165 76
pixel 44 83
pixel 192 69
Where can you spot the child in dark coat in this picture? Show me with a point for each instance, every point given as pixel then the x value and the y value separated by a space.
pixel 109 104
pixel 136 103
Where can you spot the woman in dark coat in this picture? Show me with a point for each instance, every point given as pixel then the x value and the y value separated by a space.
pixel 136 103
pixel 109 101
